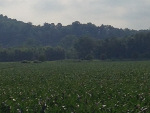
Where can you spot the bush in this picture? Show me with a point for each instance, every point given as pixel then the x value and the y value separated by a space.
pixel 103 57
pixel 36 61
pixel 25 61
pixel 89 57
pixel 42 58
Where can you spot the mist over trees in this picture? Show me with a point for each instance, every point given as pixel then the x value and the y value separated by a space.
pixel 24 41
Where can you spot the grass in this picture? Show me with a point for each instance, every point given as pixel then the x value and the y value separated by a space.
pixel 71 86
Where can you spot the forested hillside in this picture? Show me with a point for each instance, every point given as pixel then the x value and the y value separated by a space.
pixel 16 33
pixel 24 41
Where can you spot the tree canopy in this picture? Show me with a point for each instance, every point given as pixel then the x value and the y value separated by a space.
pixel 24 41
pixel 16 33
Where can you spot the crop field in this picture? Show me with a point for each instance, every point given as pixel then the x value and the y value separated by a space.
pixel 75 87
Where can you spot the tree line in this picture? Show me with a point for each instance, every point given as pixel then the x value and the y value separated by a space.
pixel 15 33
pixel 134 47
pixel 31 54
pixel 24 41
pixel 84 48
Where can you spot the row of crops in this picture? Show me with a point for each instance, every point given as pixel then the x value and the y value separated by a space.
pixel 75 87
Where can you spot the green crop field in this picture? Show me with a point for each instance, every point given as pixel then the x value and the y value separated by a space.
pixel 75 87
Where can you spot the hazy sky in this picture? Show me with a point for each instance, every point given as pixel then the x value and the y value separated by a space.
pixel 133 14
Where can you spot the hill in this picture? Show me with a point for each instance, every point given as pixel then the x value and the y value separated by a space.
pixel 23 41
pixel 15 33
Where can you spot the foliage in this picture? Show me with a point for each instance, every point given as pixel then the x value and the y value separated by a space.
pixel 72 86
pixel 23 41
pixel 29 54
pixel 84 46
pixel 25 61
pixel 14 33
pixel 135 47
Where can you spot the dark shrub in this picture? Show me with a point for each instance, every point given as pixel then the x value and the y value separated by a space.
pixel 25 61
pixel 36 61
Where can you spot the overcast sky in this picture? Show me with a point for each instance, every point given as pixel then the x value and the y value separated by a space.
pixel 133 14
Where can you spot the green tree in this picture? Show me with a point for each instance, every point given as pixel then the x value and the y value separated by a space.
pixel 84 46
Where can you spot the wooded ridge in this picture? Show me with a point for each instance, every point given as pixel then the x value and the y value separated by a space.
pixel 24 41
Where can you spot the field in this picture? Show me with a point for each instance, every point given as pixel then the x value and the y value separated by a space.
pixel 75 87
